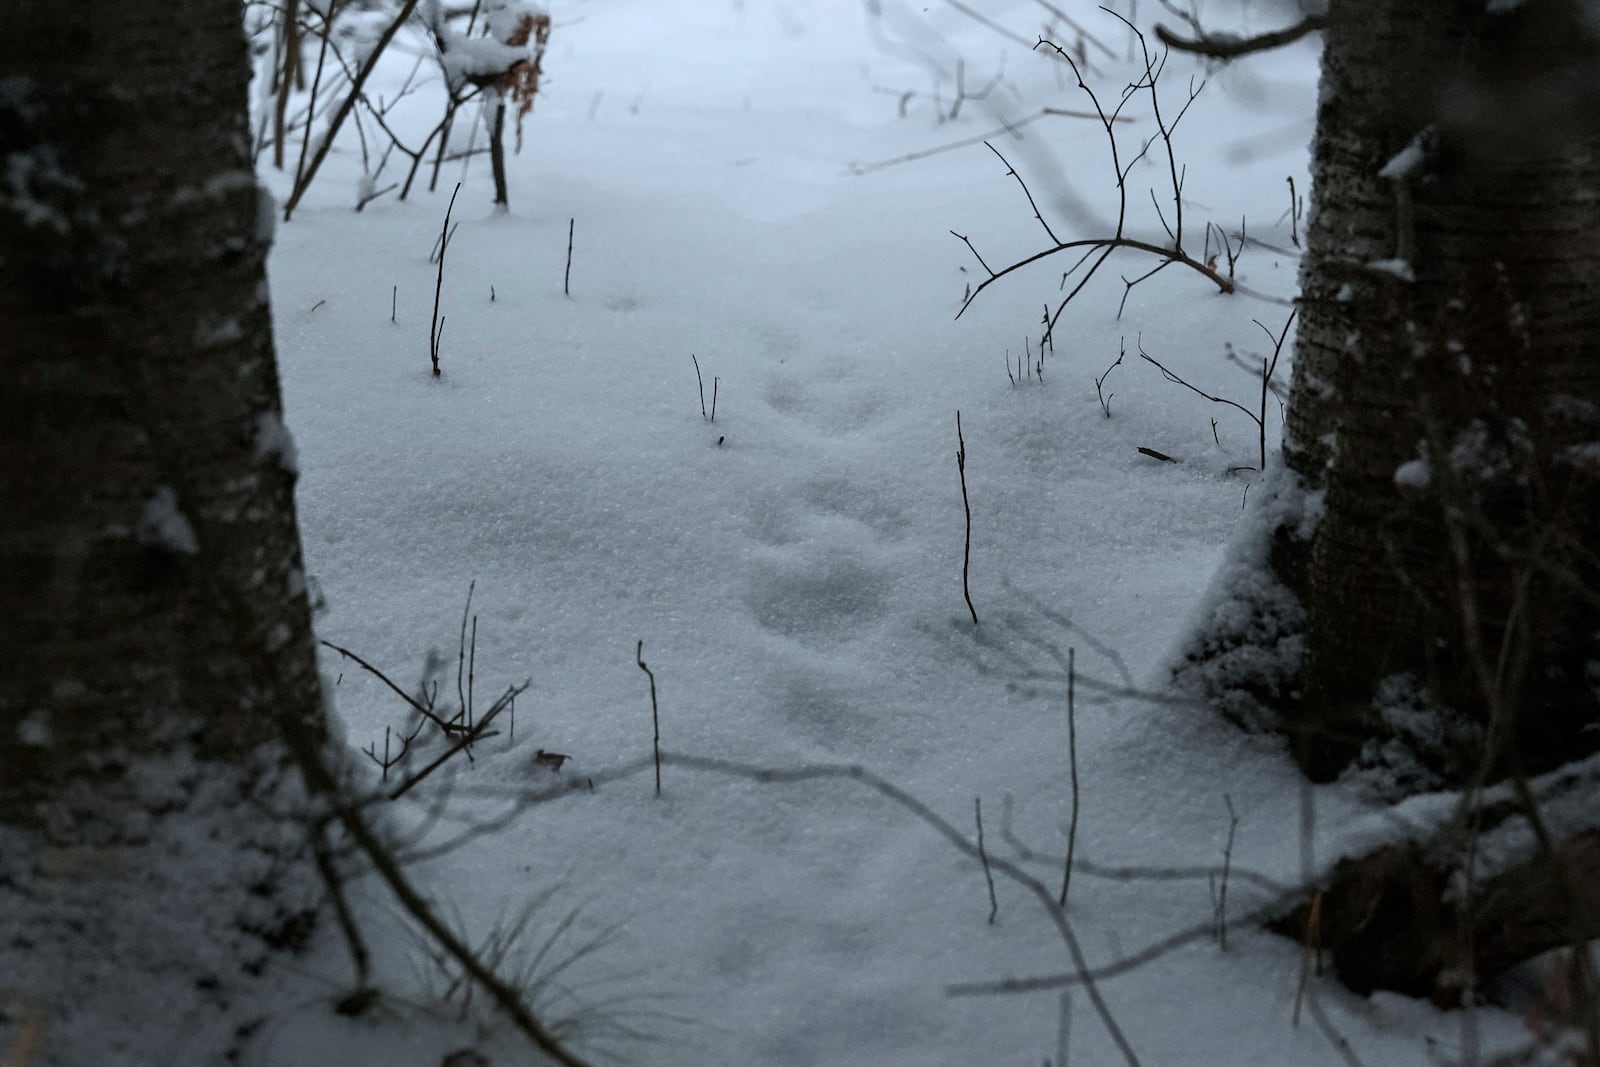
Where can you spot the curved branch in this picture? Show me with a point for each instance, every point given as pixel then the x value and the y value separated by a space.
pixel 955 837
pixel 769 775
pixel 1149 954
pixel 1226 46
pixel 1222 283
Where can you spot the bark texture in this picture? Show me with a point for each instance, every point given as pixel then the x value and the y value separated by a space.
pixel 1422 575
pixel 1450 321
pixel 148 547
pixel 155 639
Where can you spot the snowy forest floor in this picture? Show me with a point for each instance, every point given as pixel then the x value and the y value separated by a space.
pixel 794 568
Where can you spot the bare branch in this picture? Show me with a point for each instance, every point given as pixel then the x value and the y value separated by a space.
pixel 1104 246
pixel 1099 383
pixel 1010 127
pixel 1077 28
pixel 984 20
pixel 1152 73
pixel 1227 46
pixel 308 172
pixel 1081 973
pixel 1164 947
pixel 958 840
pixel 1176 380
pixel 467 738
pixel 416 705
pixel 966 558
pixel 1012 171
pixel 1072 749
pixel 1108 244
pixel 992 275
pixel 983 855
pixel 655 711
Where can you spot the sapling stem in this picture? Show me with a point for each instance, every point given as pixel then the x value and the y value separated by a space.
pixel 966 504
pixel 566 279
pixel 983 855
pixel 655 716
pixel 436 330
pixel 702 383
pixel 1072 759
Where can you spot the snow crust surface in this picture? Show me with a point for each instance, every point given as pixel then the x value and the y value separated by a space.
pixel 793 569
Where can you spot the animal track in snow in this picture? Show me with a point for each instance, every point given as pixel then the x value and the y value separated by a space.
pixel 818 589
pixel 858 501
pixel 814 507
pixel 816 707
pixel 821 575
pixel 833 406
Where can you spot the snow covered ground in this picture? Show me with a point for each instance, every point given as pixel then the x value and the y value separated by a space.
pixel 794 568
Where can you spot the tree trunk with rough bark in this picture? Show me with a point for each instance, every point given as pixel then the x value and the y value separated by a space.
pixel 1419 595
pixel 1438 514
pixel 156 635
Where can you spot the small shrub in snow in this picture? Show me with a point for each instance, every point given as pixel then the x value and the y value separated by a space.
pixel 507 61
pixel 501 56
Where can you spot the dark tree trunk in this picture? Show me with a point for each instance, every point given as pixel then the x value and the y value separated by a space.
pixel 1450 322
pixel 155 637
pixel 1423 595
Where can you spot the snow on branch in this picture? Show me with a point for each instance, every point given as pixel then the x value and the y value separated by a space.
pixel 508 58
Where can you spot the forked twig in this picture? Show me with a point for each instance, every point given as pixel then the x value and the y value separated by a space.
pixel 307 171
pixel 468 737
pixel 1258 417
pixel 425 712
pixel 436 331
pixel 1096 250
pixel 1099 383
